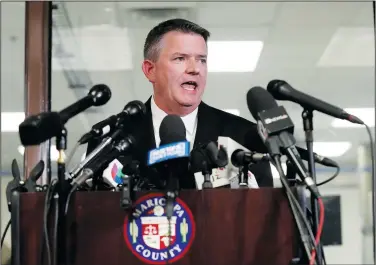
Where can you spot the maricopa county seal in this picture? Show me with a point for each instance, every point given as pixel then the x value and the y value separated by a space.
pixel 149 236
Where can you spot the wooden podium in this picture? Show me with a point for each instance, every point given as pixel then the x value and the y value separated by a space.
pixel 231 227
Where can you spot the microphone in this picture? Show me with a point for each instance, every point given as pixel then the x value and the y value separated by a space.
pixel 171 158
pixel 239 157
pixel 275 128
pixel 173 145
pixel 281 90
pixel 318 158
pixel 207 157
pixel 102 159
pixel 133 110
pixel 36 129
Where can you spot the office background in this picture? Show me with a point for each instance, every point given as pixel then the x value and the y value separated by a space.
pixel 323 49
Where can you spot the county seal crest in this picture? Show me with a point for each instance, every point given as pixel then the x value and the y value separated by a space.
pixel 151 237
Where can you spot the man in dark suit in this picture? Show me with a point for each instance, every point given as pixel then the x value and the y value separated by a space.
pixel 175 63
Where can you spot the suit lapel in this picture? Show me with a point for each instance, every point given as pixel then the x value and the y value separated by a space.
pixel 146 139
pixel 208 126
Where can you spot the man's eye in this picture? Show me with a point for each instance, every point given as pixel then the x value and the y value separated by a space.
pixel 179 58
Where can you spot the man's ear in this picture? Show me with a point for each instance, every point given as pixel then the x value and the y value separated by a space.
pixel 148 67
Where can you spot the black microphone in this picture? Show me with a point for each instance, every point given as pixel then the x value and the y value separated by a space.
pixel 275 128
pixel 318 158
pixel 172 157
pixel 208 154
pixel 38 128
pixel 239 157
pixel 172 131
pixel 281 90
pixel 205 158
pixel 102 159
pixel 133 110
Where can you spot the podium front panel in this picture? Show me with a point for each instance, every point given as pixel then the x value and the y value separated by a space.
pixel 219 226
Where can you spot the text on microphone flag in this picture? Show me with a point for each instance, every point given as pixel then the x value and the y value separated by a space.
pixel 169 151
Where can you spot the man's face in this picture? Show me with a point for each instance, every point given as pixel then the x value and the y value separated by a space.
pixel 179 74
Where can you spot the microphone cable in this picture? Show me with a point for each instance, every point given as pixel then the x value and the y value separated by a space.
pixel 71 154
pixel 295 207
pixel 5 232
pixel 47 204
pixel 338 169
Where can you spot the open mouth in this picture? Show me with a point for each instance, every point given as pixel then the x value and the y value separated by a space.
pixel 190 85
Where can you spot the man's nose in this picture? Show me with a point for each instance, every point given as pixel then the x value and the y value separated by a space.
pixel 193 67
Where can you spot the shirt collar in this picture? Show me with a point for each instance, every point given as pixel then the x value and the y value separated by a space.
pixel 188 120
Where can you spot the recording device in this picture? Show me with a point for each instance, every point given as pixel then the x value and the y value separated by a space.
pixel 29 185
pixel 275 128
pixel 207 157
pixel 38 128
pixel 103 158
pixel 171 158
pixel 281 90
pixel 133 110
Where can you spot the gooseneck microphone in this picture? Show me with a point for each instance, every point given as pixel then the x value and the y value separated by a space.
pixel 133 110
pixel 38 128
pixel 275 128
pixel 281 90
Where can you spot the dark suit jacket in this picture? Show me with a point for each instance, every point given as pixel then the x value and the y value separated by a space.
pixel 212 123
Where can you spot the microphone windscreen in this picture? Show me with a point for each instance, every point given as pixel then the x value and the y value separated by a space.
pixel 275 87
pixel 172 130
pixel 101 94
pixel 258 100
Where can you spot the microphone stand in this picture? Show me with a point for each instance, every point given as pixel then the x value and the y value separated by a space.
pixel 206 172
pixel 62 192
pixel 307 116
pixel 243 176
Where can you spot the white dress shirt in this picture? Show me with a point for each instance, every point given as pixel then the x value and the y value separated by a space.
pixel 190 123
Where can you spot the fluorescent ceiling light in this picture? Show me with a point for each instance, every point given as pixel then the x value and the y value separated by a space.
pixel 11 120
pixel 275 172
pixel 367 115
pixel 233 56
pixel 331 149
pixel 54 154
pixel 233 111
